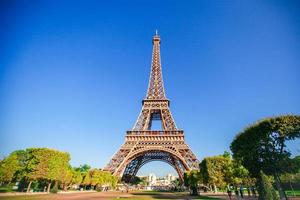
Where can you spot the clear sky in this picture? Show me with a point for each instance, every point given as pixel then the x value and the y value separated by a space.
pixel 73 73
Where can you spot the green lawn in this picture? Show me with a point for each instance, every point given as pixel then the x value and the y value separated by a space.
pixel 291 193
pixel 27 197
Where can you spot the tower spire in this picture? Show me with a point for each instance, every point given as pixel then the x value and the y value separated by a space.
pixel 156 85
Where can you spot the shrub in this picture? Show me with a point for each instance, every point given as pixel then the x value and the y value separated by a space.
pixel 5 189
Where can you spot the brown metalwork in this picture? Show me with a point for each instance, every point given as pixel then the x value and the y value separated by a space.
pixel 143 145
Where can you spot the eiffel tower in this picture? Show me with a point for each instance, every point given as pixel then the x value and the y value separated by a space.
pixel 143 145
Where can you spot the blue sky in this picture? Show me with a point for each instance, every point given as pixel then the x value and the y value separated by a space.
pixel 73 73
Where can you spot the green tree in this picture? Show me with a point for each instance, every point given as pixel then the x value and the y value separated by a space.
pixel 67 177
pixel 76 177
pixel 191 180
pixel 267 150
pixel 292 177
pixel 238 174
pixel 86 180
pixel 109 179
pixel 96 177
pixel 83 168
pixel 176 184
pixel 8 167
pixel 214 169
pixel 58 165
pixel 222 171
pixel 37 166
pixel 48 164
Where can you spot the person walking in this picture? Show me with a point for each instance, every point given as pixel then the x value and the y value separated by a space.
pixel 248 190
pixel 229 192
pixel 237 193
pixel 242 191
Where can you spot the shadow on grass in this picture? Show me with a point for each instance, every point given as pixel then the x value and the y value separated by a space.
pixel 167 195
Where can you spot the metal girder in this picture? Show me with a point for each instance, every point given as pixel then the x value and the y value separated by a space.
pixel 143 145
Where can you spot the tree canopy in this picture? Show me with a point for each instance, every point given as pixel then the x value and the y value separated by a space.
pixel 47 166
pixel 221 171
pixel 262 146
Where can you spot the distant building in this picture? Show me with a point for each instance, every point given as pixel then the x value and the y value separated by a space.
pixel 153 180
pixel 171 177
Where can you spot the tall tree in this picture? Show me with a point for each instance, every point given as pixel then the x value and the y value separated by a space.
pixel 214 169
pixel 66 178
pixel 76 177
pixel 48 164
pixel 87 180
pixel 8 167
pixel 221 171
pixel 262 146
pixel 58 165
pixel 37 165
pixel 191 180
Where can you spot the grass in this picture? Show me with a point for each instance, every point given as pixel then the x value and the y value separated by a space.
pixel 5 189
pixel 290 193
pixel 25 197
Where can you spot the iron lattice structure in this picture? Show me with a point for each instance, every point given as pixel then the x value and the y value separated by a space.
pixel 143 145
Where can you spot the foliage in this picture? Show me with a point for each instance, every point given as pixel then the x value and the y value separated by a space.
pixel 214 170
pixel 83 168
pixel 4 189
pixel 49 164
pixel 58 165
pixel 290 178
pixel 87 179
pixel 267 149
pixel 266 190
pixel 221 171
pixel 137 180
pixel 8 167
pixel 191 180
pixel 293 177
pixel 76 177
pixel 38 168
pixel 99 178
pixel 177 184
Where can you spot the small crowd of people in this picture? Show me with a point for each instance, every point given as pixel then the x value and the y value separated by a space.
pixel 239 191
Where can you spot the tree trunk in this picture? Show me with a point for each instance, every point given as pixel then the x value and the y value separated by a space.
pixel 56 184
pixel 292 188
pixel 194 191
pixel 28 187
pixel 279 187
pixel 215 188
pixel 49 186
